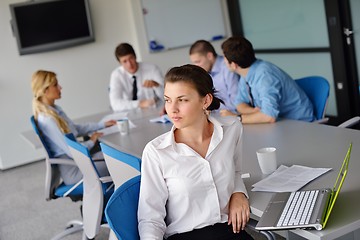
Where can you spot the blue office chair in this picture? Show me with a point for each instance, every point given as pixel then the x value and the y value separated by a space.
pixel 54 187
pixel 121 166
pixel 317 89
pixel 121 210
pixel 97 190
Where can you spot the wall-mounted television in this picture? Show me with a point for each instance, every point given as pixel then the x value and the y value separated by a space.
pixel 47 25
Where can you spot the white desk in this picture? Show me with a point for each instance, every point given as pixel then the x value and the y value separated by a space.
pixel 302 143
pixel 313 145
pixel 138 137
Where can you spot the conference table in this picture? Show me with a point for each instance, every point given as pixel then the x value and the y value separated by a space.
pixel 297 142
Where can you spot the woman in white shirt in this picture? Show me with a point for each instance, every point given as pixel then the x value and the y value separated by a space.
pixel 54 123
pixel 191 186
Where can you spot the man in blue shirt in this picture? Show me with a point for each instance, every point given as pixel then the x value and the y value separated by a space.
pixel 203 54
pixel 266 92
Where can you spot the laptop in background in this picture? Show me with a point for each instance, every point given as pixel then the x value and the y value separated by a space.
pixel 303 209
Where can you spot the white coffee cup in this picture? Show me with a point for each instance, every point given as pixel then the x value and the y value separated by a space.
pixel 123 125
pixel 267 159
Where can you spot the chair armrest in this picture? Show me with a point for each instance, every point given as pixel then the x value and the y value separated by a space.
pixel 268 234
pixel 62 161
pixel 106 179
pixel 351 122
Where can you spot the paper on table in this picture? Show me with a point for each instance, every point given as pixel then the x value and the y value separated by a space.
pixel 114 116
pixel 114 129
pixel 289 179
pixel 162 119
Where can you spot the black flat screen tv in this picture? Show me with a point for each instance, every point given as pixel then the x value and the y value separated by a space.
pixel 47 25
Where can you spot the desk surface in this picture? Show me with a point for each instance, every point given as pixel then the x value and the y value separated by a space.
pixel 301 143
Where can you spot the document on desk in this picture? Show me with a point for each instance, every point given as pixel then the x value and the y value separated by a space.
pixel 162 119
pixel 114 116
pixel 288 179
pixel 114 129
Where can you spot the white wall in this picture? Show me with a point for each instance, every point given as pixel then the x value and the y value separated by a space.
pixel 83 72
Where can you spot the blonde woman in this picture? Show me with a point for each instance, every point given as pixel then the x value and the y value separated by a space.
pixel 54 123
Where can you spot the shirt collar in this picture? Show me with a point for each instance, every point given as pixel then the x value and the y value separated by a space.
pixel 169 139
pixel 252 69
pixel 217 65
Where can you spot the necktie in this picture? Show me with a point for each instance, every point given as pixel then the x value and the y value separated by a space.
pixel 249 94
pixel 134 89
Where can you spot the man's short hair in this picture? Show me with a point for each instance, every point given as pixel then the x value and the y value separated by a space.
pixel 124 49
pixel 202 47
pixel 239 50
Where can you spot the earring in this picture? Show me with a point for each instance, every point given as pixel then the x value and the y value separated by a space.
pixel 206 112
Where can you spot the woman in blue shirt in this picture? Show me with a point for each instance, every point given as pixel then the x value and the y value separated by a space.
pixel 54 123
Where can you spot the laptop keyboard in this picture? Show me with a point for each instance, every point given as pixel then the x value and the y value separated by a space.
pixel 298 208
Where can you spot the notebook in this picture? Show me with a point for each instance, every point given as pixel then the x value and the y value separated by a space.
pixel 303 209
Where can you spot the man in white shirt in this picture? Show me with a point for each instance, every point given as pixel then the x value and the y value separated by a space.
pixel 134 84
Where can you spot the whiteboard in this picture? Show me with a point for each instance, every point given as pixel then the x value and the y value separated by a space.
pixel 177 23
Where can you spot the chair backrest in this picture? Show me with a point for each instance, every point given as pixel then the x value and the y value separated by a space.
pixel 121 210
pixel 121 166
pixel 317 89
pixel 94 188
pixel 54 187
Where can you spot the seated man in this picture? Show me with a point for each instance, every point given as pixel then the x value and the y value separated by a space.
pixel 266 92
pixel 203 54
pixel 134 84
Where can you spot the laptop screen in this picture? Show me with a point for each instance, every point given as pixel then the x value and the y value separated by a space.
pixel 338 184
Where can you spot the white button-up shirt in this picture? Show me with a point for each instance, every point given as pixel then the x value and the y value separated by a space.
pixel 180 190
pixel 121 86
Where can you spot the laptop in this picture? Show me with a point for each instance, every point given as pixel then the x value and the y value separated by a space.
pixel 308 209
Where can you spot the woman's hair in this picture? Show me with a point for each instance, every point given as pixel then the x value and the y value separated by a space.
pixel 239 50
pixel 196 76
pixel 41 80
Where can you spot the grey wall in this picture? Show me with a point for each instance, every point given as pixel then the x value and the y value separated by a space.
pixel 83 71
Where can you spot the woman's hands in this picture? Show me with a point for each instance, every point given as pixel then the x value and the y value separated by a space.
pixel 95 136
pixel 110 123
pixel 239 211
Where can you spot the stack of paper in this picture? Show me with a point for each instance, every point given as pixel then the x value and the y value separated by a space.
pixel 162 119
pixel 114 116
pixel 288 179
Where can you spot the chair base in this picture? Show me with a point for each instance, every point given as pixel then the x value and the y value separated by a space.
pixel 71 227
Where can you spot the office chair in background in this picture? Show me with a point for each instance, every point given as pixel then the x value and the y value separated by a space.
pixel 97 190
pixel 317 89
pixel 54 187
pixel 121 166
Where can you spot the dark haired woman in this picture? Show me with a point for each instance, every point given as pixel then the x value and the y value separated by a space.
pixel 191 186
